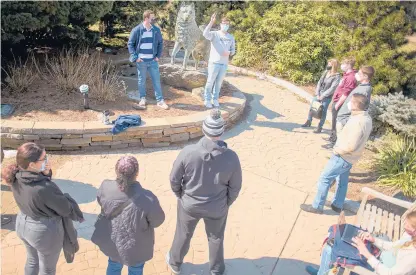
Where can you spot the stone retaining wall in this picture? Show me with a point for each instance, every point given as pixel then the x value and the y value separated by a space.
pixel 156 132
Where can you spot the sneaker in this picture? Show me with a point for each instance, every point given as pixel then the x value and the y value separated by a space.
pixel 173 269
pixel 215 103
pixel 142 102
pixel 336 209
pixel 163 105
pixel 318 130
pixel 208 104
pixel 309 208
pixel 308 123
pixel 311 270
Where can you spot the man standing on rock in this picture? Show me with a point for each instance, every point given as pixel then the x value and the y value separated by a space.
pixel 347 151
pixel 206 178
pixel 145 48
pixel 222 47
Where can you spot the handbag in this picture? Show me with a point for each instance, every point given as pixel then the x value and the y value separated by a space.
pixel 316 109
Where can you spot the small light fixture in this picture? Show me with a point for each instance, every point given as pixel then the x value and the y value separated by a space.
pixel 84 91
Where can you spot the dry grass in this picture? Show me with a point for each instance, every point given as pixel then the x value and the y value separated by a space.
pixel 69 70
pixel 21 75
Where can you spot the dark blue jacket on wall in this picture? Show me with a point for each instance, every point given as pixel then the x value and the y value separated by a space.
pixel 125 121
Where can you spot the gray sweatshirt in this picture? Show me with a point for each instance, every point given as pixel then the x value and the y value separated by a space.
pixel 344 113
pixel 220 43
pixel 206 177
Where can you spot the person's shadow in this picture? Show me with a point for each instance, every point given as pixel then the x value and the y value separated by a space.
pixel 82 193
pixel 260 266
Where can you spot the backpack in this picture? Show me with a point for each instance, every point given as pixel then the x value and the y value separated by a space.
pixel 345 255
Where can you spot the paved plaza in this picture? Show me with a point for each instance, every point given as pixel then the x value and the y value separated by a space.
pixel 266 232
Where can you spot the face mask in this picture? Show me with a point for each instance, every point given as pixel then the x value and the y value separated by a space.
pixel 328 67
pixel 344 67
pixel 349 106
pixel 224 27
pixel 357 77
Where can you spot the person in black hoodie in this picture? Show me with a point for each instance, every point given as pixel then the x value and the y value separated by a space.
pixel 206 178
pixel 42 206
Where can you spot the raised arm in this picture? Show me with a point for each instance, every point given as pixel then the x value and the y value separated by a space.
pixel 208 34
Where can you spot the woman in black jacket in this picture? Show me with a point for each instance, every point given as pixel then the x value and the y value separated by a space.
pixel 42 206
pixel 326 87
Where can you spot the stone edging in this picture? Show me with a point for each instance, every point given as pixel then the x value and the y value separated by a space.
pixel 94 135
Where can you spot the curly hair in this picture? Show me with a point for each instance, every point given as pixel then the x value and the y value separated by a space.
pixel 127 169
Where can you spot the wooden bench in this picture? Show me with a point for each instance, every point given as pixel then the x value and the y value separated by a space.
pixel 379 221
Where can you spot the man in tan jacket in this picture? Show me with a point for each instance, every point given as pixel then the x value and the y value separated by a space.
pixel 347 150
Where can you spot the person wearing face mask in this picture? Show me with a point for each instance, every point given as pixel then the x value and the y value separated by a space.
pixel 42 205
pixel 397 258
pixel 323 93
pixel 347 84
pixel 222 47
pixel 347 151
pixel 363 76
pixel 145 47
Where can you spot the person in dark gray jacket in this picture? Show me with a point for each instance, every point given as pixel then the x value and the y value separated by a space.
pixel 206 178
pixel 42 206
pixel 124 230
pixel 326 87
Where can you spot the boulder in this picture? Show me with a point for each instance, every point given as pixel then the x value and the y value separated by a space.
pixel 175 76
pixel 198 93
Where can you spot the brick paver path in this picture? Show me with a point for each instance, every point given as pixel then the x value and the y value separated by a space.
pixel 266 232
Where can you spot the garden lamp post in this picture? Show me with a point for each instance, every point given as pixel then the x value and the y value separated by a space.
pixel 84 91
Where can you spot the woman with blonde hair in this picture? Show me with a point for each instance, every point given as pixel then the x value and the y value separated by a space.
pixel 397 258
pixel 326 87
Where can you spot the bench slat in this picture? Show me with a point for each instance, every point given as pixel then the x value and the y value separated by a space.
pixel 384 222
pixel 379 217
pixel 359 216
pixel 372 220
pixel 397 232
pixel 390 226
pixel 366 216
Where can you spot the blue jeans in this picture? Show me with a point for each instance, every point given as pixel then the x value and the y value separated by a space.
pixel 216 74
pixel 115 268
pixel 153 68
pixel 325 104
pixel 336 169
pixel 325 265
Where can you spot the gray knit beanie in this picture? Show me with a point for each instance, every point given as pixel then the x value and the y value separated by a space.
pixel 214 124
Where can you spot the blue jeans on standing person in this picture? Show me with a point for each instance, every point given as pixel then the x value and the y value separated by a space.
pixel 336 169
pixel 325 104
pixel 114 268
pixel 216 74
pixel 153 68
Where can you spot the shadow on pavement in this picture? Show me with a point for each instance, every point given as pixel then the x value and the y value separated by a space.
pixel 261 266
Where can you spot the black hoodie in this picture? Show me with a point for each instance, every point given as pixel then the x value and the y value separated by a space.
pixel 38 197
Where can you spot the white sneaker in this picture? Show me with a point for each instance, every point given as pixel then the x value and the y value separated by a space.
pixel 163 105
pixel 142 102
pixel 208 104
pixel 216 103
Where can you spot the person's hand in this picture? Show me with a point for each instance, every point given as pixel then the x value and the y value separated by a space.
pixel 213 18
pixel 81 220
pixel 139 60
pixel 156 59
pixel 365 236
pixel 360 245
pixel 226 53
pixel 48 168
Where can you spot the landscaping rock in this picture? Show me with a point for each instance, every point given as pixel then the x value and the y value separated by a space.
pixel 198 93
pixel 175 76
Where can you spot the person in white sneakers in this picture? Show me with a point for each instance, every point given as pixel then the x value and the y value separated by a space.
pixel 222 47
pixel 145 47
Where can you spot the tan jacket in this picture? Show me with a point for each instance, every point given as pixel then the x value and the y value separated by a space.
pixel 351 141
pixel 405 257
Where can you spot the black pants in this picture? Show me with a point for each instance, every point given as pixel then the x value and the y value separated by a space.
pixel 334 118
